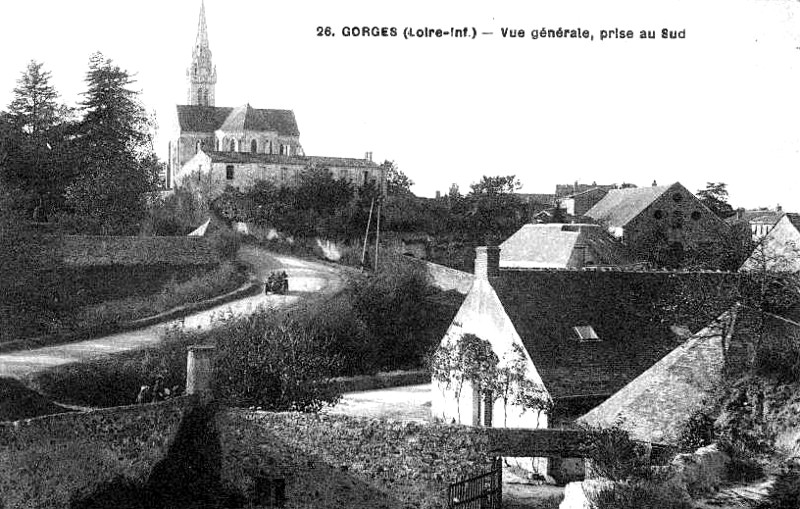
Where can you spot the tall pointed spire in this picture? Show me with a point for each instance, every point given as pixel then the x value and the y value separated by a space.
pixel 202 31
pixel 202 74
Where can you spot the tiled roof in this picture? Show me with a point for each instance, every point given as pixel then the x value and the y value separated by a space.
pixel 243 118
pixel 655 406
pixel 620 206
pixel 249 157
pixel 553 245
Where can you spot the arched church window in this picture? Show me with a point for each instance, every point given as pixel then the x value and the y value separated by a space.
pixel 216 146
pixel 198 146
pixel 233 145
pixel 253 146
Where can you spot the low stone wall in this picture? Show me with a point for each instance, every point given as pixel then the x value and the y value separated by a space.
pixel 47 461
pixel 382 380
pixel 87 250
pixel 341 461
pixel 442 277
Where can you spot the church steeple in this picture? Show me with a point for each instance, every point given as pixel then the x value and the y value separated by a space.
pixel 202 74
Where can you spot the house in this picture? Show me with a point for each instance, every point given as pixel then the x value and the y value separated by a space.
pixel 238 145
pixel 591 331
pixel 760 220
pixel 659 222
pixel 779 250
pixel 565 190
pixel 217 170
pixel 558 245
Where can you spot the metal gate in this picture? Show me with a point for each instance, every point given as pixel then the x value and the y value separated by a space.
pixel 484 491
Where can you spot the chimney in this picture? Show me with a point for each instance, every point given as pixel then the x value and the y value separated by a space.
pixel 655 184
pixel 487 262
pixel 368 156
pixel 779 208
pixel 438 194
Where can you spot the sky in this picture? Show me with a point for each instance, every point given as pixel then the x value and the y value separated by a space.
pixel 721 104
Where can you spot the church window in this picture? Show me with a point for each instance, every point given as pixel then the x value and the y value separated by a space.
pixel 282 149
pixel 253 146
pixel 198 146
pixel 233 145
pixel 229 172
pixel 216 147
pixel 270 146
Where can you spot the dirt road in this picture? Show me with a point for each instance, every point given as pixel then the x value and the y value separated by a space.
pixel 305 278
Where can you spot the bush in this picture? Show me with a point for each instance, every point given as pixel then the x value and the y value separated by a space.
pixel 614 456
pixel 404 323
pixel 116 381
pixel 697 432
pixel 639 494
pixel 785 492
pixel 274 362
pixel 225 242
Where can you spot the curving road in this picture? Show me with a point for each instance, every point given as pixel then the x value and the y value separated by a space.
pixel 305 277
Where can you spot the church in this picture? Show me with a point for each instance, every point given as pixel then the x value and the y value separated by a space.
pixel 236 146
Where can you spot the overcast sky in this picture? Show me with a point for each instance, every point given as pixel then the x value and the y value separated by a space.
pixel 723 104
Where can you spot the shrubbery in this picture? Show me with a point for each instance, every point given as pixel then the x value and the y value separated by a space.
pixel 613 455
pixel 274 362
pixel 640 494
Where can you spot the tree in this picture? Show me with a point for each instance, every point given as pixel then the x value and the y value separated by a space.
pixel 37 163
pixel 397 182
pixel 118 169
pixel 495 185
pixel 715 197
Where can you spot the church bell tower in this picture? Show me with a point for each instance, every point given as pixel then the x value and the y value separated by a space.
pixel 202 74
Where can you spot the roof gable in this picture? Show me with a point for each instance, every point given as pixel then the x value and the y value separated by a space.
pixel 483 315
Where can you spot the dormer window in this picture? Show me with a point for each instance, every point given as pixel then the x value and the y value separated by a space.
pixel 585 333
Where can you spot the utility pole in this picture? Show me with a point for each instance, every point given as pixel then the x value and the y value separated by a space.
pixel 366 234
pixel 377 234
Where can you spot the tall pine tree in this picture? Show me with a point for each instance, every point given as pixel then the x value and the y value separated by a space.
pixel 35 163
pixel 118 169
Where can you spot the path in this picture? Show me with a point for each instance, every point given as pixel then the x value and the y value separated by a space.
pixel 305 277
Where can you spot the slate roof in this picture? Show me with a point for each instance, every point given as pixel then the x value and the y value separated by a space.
pixel 249 157
pixel 655 406
pixel 243 118
pixel 620 206
pixel 554 245
pixel 632 312
pixel 538 198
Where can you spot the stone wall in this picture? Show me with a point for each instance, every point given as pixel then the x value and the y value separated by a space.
pixel 340 461
pixel 47 461
pixel 87 250
pixel 442 277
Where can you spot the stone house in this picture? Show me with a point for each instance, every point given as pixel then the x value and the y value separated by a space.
pixel 557 245
pixel 218 170
pixel 778 250
pixel 666 219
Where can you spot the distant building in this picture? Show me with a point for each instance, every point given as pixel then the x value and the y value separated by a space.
pixel 564 190
pixel 558 245
pixel 238 145
pixel 649 219
pixel 760 220
pixel 578 204
pixel 779 249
